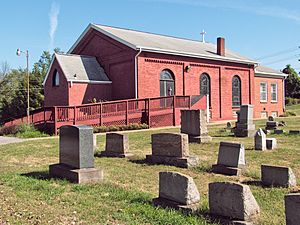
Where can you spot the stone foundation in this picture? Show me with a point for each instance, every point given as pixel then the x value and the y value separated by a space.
pixel 184 162
pixel 79 176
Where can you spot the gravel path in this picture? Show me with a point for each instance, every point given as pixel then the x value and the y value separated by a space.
pixel 8 140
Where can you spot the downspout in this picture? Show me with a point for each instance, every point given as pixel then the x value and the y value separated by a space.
pixel 136 73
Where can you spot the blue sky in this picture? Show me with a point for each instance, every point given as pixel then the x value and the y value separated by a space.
pixel 253 28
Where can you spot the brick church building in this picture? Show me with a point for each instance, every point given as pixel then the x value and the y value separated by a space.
pixel 108 63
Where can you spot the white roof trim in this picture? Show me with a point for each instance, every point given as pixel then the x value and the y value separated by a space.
pixel 219 58
pixel 91 25
pixel 158 50
pixel 49 68
pixel 270 75
pixel 90 81
pixel 266 74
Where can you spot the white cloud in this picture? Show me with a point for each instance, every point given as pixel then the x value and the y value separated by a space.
pixel 53 22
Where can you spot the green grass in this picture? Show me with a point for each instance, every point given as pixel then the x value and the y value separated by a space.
pixel 29 196
pixel 295 109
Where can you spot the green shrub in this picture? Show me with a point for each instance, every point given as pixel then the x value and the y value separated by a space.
pixel 22 131
pixel 292 101
pixel 288 113
pixel 13 129
pixel 132 126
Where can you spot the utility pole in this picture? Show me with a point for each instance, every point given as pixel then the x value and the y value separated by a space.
pixel 27 71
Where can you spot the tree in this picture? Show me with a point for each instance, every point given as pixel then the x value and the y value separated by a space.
pixel 292 82
pixel 5 68
pixel 13 87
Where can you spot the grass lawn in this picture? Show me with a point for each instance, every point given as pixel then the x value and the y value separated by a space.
pixel 29 196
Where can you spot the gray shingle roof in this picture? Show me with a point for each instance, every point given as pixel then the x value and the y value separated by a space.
pixel 166 44
pixel 264 70
pixel 81 68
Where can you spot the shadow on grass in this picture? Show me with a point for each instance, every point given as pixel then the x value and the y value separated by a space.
pixel 212 218
pixel 253 182
pixel 141 200
pixel 140 161
pixel 42 175
pixel 206 168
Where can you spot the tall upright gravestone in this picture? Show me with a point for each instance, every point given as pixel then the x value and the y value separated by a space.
pixel 245 126
pixel 76 156
pixel 194 124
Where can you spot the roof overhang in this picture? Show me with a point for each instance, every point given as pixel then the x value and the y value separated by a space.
pixel 187 54
pixel 90 81
pixel 157 50
pixel 69 80
pixel 270 75
pixel 49 68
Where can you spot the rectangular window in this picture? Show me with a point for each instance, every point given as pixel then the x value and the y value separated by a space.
pixel 273 92
pixel 274 114
pixel 263 92
pixel 263 115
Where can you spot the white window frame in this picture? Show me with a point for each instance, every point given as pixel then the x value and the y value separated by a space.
pixel 276 92
pixel 265 113
pixel 266 91
pixel 56 79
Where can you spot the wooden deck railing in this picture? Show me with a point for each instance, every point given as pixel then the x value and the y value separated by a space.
pixel 155 112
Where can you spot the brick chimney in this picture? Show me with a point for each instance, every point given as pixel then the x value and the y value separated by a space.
pixel 221 46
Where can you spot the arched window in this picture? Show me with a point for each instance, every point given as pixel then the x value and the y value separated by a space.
pixel 167 87
pixel 55 79
pixel 236 91
pixel 205 86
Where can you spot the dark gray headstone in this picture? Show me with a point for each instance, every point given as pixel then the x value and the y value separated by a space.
pixel 295 132
pixel 76 156
pixel 76 146
pixel 117 143
pixel 194 124
pixel 292 208
pixel 245 126
pixel 271 143
pixel 231 154
pixel 277 176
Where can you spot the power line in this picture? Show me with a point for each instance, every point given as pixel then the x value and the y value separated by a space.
pixel 19 89
pixel 293 49
pixel 283 59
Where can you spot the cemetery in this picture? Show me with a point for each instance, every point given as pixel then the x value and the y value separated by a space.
pixel 138 177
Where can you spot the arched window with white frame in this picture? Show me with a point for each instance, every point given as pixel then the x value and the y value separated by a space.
pixel 55 79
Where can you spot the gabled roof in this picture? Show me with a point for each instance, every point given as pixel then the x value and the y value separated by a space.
pixel 138 40
pixel 79 68
pixel 261 70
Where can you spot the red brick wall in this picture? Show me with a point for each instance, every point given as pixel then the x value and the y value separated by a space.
pixel 188 83
pixel 83 93
pixel 56 96
pixel 268 106
pixel 116 59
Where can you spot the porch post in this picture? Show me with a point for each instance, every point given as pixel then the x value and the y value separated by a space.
pixel 55 120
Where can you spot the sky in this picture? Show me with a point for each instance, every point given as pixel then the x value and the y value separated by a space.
pixel 266 31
